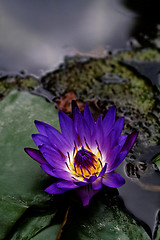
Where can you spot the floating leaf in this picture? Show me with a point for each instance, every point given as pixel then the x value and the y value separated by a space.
pixel 32 224
pixel 156 160
pixel 22 182
pixel 103 222
pixel 49 233
pixel 27 212
pixel 158 233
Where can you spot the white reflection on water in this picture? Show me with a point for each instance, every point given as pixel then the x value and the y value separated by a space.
pixel 34 35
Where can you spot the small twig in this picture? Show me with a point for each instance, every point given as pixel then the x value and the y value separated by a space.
pixel 59 235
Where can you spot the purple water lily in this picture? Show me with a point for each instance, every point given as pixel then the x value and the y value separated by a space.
pixel 84 156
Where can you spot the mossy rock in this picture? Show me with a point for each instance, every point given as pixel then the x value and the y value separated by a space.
pixel 109 81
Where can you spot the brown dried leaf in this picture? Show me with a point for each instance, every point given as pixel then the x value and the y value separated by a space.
pixel 64 103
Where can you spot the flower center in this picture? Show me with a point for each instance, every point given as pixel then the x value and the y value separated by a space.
pixel 84 160
pixel 85 163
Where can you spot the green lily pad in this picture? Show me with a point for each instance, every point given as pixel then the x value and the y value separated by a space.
pixel 100 221
pixel 10 211
pixel 27 212
pixel 32 225
pixel 49 233
pixel 22 182
pixel 156 160
pixel 158 233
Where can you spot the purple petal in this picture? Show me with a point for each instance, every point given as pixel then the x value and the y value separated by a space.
pixel 89 118
pixel 54 136
pixel 35 154
pixel 40 139
pixel 91 179
pixel 80 184
pixel 86 193
pixel 106 149
pixel 103 171
pixel 75 110
pixel 122 140
pixel 62 174
pixel 67 127
pixel 119 126
pixel 66 184
pixel 130 141
pixel 117 161
pixel 98 135
pixel 97 185
pixel 109 120
pixel 111 157
pixel 53 157
pixel 112 154
pixel 60 187
pixel 52 189
pixel 116 131
pixel 41 126
pixel 113 180
pixel 82 128
pixel 58 141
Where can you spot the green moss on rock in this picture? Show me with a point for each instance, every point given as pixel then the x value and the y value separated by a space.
pixel 9 83
pixel 109 81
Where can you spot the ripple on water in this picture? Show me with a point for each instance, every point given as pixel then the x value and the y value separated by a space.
pixel 141 192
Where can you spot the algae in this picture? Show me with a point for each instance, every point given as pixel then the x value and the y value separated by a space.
pixel 9 83
pixel 135 97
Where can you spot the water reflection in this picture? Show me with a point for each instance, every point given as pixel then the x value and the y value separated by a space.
pixel 148 17
pixel 36 35
pixel 141 193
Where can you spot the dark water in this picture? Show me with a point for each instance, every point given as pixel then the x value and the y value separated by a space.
pixel 141 192
pixel 36 35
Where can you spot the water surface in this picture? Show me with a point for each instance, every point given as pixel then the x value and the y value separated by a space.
pixel 36 35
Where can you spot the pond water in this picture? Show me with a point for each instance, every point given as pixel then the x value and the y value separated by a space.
pixel 141 193
pixel 36 35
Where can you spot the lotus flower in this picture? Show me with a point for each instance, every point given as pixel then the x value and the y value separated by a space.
pixel 85 154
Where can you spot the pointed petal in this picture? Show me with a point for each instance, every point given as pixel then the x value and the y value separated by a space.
pixel 113 180
pixel 86 193
pixel 116 131
pixel 80 184
pixel 130 141
pixel 52 189
pixel 35 154
pixel 117 161
pixel 40 139
pixel 82 128
pixel 53 157
pixel 97 185
pixel 109 120
pixel 56 173
pixel 58 141
pixel 66 184
pixel 106 145
pixel 89 118
pixel 112 156
pixel 41 126
pixel 98 135
pixel 103 171
pixel 60 187
pixel 54 136
pixel 119 126
pixel 122 140
pixel 75 109
pixel 91 179
pixel 67 128
pixel 111 153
